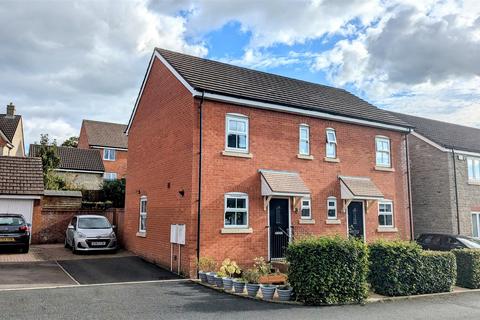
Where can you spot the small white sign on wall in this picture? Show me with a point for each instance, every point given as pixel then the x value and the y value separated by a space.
pixel 173 233
pixel 177 233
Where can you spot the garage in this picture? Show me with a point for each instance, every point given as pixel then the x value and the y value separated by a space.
pixel 23 206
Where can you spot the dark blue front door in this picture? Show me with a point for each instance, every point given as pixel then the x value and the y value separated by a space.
pixel 355 220
pixel 279 231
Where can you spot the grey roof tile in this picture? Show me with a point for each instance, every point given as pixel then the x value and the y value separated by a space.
pixel 361 187
pixel 21 176
pixel 8 125
pixel 284 182
pixel 106 134
pixel 75 159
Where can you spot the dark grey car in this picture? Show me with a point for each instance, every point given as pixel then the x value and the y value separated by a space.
pixel 447 242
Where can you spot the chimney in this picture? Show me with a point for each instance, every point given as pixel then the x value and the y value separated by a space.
pixel 10 110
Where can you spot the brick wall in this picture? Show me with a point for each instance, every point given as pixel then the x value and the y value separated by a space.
pixel 119 166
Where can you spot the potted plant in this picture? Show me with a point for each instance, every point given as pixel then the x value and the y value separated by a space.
pixel 219 279
pixel 268 290
pixel 211 277
pixel 205 265
pixel 230 269
pixel 251 276
pixel 239 285
pixel 284 292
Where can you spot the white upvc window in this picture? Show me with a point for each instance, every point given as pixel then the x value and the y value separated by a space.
pixel 142 225
pixel 304 140
pixel 236 133
pixel 332 208
pixel 109 176
pixel 331 145
pixel 473 169
pixel 476 224
pixel 382 147
pixel 385 214
pixel 306 208
pixel 236 210
pixel 109 154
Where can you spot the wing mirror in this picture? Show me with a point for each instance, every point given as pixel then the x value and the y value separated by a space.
pixel 71 227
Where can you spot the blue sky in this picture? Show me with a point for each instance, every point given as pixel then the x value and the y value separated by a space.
pixel 64 61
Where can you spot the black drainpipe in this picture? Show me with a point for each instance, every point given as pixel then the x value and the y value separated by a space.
pixel 199 208
pixel 409 191
pixel 456 189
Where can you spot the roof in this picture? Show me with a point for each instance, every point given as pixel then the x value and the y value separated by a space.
pixel 75 159
pixel 8 125
pixel 221 78
pixel 359 188
pixel 282 182
pixel 21 176
pixel 106 134
pixel 447 135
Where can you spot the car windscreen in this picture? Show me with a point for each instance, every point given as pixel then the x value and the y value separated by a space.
pixel 93 223
pixel 11 221
pixel 470 242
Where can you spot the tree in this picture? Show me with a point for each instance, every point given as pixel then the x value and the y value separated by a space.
pixel 71 142
pixel 50 161
pixel 114 191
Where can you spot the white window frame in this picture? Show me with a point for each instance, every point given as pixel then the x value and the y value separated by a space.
pixel 241 118
pixel 109 176
pixel 235 195
pixel 309 207
pixel 476 216
pixel 473 168
pixel 331 142
pixel 303 127
pixel 107 154
pixel 386 202
pixel 143 214
pixel 329 207
pixel 388 152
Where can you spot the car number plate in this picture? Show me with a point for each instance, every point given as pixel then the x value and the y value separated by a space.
pixel 7 239
pixel 98 243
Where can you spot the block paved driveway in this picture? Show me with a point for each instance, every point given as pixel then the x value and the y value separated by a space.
pixel 53 265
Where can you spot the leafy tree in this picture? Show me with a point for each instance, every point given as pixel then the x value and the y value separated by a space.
pixel 50 161
pixel 71 142
pixel 114 191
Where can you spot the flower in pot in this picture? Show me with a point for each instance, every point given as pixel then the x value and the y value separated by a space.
pixel 239 285
pixel 230 269
pixel 284 292
pixel 252 276
pixel 268 290
pixel 219 279
pixel 205 265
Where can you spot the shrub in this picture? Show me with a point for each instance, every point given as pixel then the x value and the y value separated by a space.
pixel 229 268
pixel 251 276
pixel 437 272
pixel 468 268
pixel 328 270
pixel 206 264
pixel 394 267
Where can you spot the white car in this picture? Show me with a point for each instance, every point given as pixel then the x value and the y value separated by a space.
pixel 90 233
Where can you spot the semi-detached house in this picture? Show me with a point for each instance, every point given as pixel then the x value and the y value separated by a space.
pixel 248 161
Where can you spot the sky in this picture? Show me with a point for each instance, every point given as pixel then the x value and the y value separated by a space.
pixel 64 61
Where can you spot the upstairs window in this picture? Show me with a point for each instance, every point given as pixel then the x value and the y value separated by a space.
pixel 236 210
pixel 331 146
pixel 142 225
pixel 304 142
pixel 306 208
pixel 385 214
pixel 109 154
pixel 332 208
pixel 109 176
pixel 237 133
pixel 473 169
pixel 382 146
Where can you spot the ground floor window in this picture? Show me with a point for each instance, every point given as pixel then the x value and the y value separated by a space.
pixel 385 214
pixel 476 224
pixel 332 208
pixel 110 176
pixel 142 226
pixel 306 208
pixel 236 210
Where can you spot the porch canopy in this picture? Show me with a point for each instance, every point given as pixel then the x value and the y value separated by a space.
pixel 358 188
pixel 282 183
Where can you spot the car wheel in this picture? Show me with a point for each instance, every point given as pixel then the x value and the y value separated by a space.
pixel 26 248
pixel 66 243
pixel 74 249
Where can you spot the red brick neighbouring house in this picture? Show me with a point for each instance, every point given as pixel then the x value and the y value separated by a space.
pixel 277 159
pixel 112 142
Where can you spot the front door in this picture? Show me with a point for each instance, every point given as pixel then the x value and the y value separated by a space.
pixel 279 228
pixel 355 220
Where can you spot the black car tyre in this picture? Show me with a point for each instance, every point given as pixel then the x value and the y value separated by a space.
pixel 26 248
pixel 74 249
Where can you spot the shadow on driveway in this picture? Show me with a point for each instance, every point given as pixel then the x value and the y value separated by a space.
pixel 113 270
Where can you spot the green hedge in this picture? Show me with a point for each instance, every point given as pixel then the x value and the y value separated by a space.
pixel 328 270
pixel 468 268
pixel 400 268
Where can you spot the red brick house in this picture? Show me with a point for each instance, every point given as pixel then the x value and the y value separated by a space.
pixel 249 161
pixel 112 142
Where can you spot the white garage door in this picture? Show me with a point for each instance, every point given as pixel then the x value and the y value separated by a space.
pixel 19 206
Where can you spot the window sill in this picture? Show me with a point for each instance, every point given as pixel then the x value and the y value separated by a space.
pixel 305 157
pixel 236 230
pixel 387 169
pixel 474 182
pixel 387 229
pixel 334 160
pixel 237 154
pixel 306 221
pixel 333 221
pixel 141 234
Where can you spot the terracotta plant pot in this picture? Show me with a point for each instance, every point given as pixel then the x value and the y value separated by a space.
pixel 284 294
pixel 203 276
pixel 273 279
pixel 268 291
pixel 219 281
pixel 227 284
pixel 252 289
pixel 239 286
pixel 211 278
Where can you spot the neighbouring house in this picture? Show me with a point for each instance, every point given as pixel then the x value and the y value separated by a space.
pixel 11 133
pixel 81 168
pixel 21 186
pixel 445 176
pixel 111 140
pixel 248 161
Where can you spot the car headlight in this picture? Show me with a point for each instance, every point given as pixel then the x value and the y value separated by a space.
pixel 113 235
pixel 81 235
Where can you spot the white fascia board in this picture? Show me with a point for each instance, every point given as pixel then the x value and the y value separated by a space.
pixel 78 171
pixel 114 148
